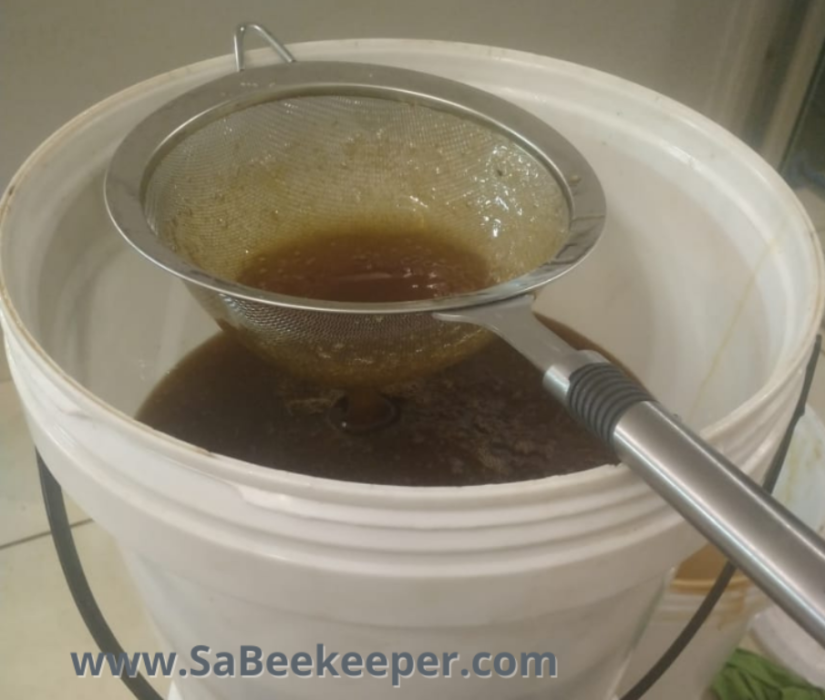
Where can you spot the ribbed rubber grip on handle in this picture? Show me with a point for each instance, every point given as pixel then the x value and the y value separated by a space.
pixel 599 395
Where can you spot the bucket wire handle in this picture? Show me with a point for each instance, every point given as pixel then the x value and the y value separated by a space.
pixel 269 37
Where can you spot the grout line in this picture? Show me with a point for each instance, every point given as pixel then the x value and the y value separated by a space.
pixel 40 535
pixel 80 523
pixel 24 540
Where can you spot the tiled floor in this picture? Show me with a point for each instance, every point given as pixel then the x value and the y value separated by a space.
pixel 35 604
pixel 38 619
pixel 39 622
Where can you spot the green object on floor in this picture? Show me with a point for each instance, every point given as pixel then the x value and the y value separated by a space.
pixel 747 676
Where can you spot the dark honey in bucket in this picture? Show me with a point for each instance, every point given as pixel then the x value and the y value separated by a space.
pixel 486 420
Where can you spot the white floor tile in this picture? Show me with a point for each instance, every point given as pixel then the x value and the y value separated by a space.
pixel 21 508
pixel 41 626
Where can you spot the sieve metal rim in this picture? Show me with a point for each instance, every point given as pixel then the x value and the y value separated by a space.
pixel 145 146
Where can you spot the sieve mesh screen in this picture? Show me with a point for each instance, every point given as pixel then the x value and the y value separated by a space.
pixel 288 168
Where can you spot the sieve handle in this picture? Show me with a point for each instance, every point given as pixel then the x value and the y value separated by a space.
pixel 268 37
pixel 780 554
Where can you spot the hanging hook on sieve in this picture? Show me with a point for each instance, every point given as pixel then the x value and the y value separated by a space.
pixel 269 37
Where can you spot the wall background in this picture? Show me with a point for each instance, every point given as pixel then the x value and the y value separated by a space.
pixel 56 58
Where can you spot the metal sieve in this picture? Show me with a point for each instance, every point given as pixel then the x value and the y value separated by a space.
pixel 260 157
pixel 280 151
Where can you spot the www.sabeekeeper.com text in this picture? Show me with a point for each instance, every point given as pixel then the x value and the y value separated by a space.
pixel 252 661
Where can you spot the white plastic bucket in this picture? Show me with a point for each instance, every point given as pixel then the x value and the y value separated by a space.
pixel 801 488
pixel 708 284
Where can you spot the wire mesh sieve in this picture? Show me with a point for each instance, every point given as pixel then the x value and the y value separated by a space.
pixel 276 154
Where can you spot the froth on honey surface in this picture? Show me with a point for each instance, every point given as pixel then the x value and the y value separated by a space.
pixel 289 168
pixel 368 264
pixel 486 420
